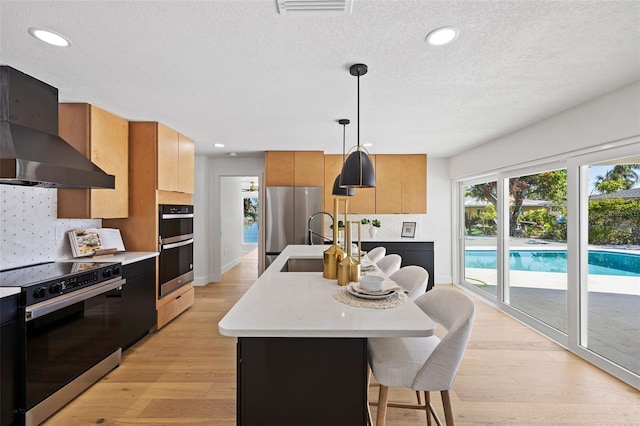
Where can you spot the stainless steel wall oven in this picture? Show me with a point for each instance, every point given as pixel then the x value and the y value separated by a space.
pixel 175 244
pixel 69 331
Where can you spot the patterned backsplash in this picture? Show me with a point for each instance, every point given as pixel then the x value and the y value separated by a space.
pixel 30 231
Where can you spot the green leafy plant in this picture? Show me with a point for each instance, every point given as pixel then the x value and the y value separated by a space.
pixel 376 223
pixel 364 221
pixel 340 225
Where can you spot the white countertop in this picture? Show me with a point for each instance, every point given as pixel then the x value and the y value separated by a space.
pixel 301 304
pixel 124 257
pixel 8 291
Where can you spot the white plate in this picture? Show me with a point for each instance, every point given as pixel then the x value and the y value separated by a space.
pixel 352 291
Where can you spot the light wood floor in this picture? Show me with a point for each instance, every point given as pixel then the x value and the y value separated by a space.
pixel 185 375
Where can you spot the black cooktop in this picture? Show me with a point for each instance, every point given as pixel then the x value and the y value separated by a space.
pixel 26 276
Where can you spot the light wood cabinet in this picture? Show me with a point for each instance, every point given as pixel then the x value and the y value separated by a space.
pixel 140 229
pixel 388 192
pixel 279 168
pixel 294 168
pixel 401 183
pixel 364 199
pixel 175 161
pixel 309 168
pixel 186 169
pixel 414 183
pixel 103 138
pixel 332 168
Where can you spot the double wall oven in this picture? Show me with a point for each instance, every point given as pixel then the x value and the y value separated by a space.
pixel 175 244
pixel 69 331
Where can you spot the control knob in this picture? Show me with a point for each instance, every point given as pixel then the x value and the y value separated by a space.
pixel 106 273
pixel 40 292
pixel 55 288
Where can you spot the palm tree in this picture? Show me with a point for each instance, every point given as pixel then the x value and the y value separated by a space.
pixel 621 176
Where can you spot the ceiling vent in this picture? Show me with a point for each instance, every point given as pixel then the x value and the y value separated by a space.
pixel 314 7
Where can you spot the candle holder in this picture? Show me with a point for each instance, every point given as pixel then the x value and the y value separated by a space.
pixel 349 268
pixel 334 254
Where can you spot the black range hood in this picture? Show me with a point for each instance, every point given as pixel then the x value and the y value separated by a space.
pixel 31 152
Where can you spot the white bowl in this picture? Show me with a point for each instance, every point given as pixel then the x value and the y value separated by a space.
pixel 372 282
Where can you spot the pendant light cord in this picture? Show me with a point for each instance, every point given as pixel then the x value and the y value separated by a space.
pixel 358 111
pixel 344 130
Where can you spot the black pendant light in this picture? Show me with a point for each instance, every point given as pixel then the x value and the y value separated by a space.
pixel 357 171
pixel 338 190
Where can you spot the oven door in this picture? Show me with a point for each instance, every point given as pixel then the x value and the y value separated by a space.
pixel 65 341
pixel 176 265
pixel 175 222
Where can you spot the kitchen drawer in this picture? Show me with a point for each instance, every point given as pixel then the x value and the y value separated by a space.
pixel 182 300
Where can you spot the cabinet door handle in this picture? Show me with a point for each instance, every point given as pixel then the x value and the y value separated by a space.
pixel 179 244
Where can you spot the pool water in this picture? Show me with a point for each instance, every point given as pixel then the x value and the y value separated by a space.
pixel 250 234
pixel 600 262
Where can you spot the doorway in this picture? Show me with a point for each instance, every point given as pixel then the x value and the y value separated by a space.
pixel 239 216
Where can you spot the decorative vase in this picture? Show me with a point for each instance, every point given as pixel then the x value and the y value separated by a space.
pixel 334 254
pixel 349 268
pixel 373 231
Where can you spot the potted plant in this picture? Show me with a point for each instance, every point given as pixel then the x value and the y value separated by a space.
pixel 364 221
pixel 373 229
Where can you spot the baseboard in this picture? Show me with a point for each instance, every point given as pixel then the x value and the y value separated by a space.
pixel 230 265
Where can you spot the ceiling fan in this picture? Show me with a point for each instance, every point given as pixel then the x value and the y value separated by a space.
pixel 252 187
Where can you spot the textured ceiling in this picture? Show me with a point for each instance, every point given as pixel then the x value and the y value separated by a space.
pixel 237 72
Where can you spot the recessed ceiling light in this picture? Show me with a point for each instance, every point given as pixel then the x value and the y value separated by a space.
pixel 218 145
pixel 232 154
pixel 50 37
pixel 441 36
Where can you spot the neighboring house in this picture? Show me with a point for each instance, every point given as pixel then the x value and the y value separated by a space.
pixel 624 193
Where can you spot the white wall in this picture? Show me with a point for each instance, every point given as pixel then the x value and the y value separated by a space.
pixel 207 223
pixel 231 213
pixel 606 119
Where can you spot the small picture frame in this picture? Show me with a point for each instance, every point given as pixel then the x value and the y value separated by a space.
pixel 408 229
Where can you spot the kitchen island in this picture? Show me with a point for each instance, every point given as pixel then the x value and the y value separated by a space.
pixel 301 354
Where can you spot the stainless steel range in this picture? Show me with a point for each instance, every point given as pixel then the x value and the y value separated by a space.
pixel 69 331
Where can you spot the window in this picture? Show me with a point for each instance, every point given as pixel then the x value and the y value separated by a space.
pixel 557 246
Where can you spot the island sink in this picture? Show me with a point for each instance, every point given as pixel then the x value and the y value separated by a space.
pixel 302 265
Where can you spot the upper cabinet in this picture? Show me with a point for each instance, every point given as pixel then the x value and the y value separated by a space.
pixel 294 168
pixel 388 193
pixel 279 168
pixel 401 183
pixel 414 183
pixel 401 180
pixel 364 199
pixel 332 168
pixel 175 161
pixel 104 139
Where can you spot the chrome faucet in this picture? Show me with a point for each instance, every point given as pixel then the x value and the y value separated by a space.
pixel 311 233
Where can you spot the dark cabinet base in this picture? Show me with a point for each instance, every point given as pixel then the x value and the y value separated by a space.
pixel 310 381
pixel 8 360
pixel 412 252
pixel 138 300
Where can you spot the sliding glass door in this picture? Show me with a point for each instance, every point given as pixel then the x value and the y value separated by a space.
pixel 557 246
pixel 536 225
pixel 611 292
pixel 480 236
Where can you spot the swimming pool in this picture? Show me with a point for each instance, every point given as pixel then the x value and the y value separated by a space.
pixel 600 262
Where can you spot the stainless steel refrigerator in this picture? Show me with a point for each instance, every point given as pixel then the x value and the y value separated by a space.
pixel 287 212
